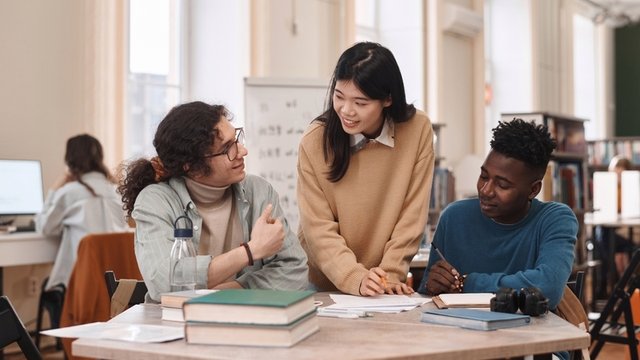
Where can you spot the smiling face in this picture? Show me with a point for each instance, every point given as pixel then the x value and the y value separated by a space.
pixel 357 112
pixel 224 171
pixel 505 188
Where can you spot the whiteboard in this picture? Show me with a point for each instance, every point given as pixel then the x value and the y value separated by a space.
pixel 278 111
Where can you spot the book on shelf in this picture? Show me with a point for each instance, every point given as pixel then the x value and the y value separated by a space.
pixel 463 300
pixel 475 319
pixel 250 306
pixel 280 335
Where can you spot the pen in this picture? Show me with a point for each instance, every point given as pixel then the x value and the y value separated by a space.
pixel 357 313
pixel 433 245
pixel 338 315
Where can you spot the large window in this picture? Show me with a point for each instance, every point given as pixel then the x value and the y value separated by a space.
pixel 400 29
pixel 585 72
pixel 155 81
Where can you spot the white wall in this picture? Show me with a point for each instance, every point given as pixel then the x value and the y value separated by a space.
pixel 452 91
pixel 42 100
pixel 296 38
pixel 41 88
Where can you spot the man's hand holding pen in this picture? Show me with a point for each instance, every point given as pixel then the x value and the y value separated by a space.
pixel 444 278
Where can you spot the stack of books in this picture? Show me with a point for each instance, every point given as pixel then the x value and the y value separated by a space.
pixel 171 302
pixel 250 317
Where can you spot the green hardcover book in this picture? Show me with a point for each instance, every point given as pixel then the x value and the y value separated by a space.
pixel 249 306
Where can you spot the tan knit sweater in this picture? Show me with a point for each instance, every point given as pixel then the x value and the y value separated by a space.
pixel 374 216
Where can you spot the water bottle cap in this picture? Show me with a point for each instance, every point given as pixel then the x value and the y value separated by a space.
pixel 182 233
pixel 179 232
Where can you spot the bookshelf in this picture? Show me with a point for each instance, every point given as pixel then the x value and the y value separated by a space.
pixel 601 151
pixel 442 193
pixel 567 176
pixel 443 186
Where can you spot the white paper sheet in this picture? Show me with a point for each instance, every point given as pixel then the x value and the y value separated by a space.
pixel 119 331
pixel 380 303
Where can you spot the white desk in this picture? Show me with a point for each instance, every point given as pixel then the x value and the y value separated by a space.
pixel 27 248
pixel 383 336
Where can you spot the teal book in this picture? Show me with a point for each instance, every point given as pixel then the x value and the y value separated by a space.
pixel 250 306
pixel 475 319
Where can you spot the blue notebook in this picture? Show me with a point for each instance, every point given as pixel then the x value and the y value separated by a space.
pixel 474 318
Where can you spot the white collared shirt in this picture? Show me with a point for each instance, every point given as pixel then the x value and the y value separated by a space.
pixel 386 137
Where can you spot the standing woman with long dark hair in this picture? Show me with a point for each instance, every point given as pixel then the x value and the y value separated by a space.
pixel 365 168
pixel 83 201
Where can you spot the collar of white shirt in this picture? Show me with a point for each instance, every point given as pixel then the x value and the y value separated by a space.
pixel 386 137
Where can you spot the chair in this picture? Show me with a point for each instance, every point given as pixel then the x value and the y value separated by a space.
pixel 13 331
pixel 576 285
pixel 50 300
pixel 618 315
pixel 124 292
pixel 87 299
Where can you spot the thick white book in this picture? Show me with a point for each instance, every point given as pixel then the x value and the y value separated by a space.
pixel 172 314
pixel 605 196
pixel 630 199
pixel 177 298
pixel 285 335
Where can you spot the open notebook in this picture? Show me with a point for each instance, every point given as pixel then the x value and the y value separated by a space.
pixel 464 300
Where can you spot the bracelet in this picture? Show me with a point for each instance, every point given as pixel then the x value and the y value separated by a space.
pixel 462 280
pixel 249 255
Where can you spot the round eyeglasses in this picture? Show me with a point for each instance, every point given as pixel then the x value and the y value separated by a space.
pixel 231 150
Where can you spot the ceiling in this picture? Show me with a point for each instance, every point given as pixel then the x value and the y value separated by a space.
pixel 616 12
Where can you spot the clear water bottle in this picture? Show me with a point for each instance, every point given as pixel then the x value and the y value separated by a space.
pixel 182 270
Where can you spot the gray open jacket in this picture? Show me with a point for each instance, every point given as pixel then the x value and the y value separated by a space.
pixel 157 207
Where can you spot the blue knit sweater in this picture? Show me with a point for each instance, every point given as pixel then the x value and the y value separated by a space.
pixel 537 251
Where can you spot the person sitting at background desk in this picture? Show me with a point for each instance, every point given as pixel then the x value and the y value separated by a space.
pixel 365 168
pixel 506 237
pixel 240 235
pixel 83 201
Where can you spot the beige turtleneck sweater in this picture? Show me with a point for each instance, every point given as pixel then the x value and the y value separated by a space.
pixel 221 229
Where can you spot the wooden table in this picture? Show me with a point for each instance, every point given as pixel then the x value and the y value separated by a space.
pixel 383 336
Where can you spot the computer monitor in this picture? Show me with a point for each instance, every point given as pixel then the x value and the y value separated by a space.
pixel 21 191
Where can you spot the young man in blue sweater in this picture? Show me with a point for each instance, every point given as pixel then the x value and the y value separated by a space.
pixel 506 237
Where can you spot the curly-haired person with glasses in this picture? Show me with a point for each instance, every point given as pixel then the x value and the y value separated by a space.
pixel 239 232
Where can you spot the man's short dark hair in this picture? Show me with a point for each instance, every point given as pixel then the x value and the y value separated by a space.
pixel 524 141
